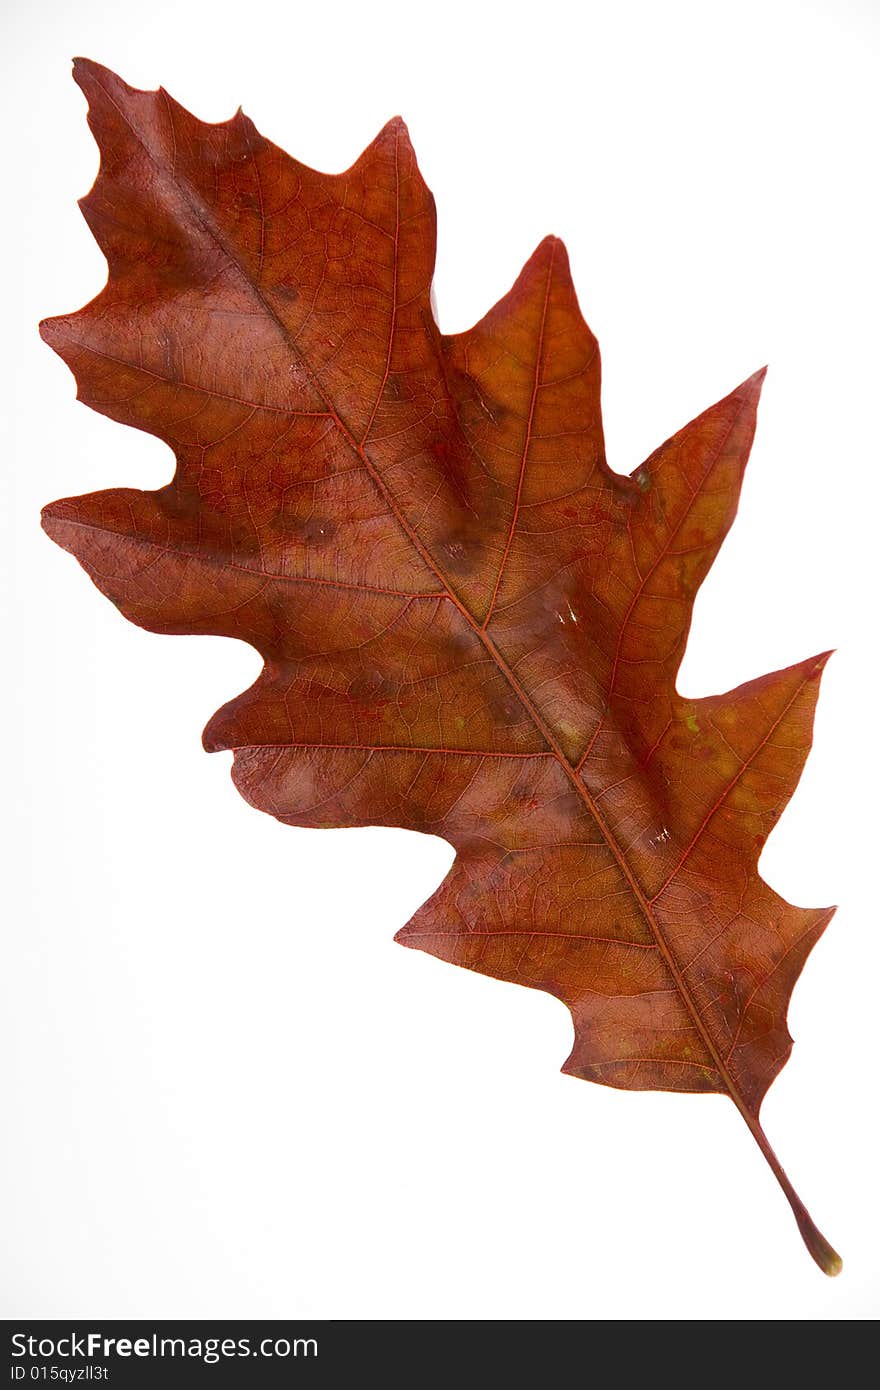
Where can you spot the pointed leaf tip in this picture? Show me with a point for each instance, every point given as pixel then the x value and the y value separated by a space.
pixel 752 385
pixel 397 128
pixel 86 68
pixel 551 245
pixel 48 330
pixel 550 250
pixel 818 663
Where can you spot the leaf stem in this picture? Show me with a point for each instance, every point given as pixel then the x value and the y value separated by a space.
pixel 822 1250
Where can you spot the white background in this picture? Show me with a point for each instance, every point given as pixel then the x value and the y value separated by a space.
pixel 227 1092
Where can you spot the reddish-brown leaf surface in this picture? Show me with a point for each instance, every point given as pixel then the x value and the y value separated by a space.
pixel 470 625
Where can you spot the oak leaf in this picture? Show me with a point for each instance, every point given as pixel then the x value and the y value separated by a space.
pixel 470 625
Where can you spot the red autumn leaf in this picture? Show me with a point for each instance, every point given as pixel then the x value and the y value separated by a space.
pixel 470 625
